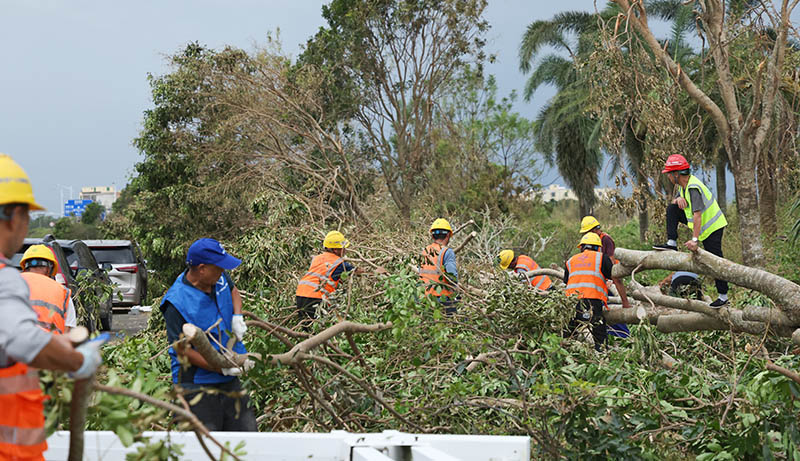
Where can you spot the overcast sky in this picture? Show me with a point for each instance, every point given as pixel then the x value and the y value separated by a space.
pixel 74 81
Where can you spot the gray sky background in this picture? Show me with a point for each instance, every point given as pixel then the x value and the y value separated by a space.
pixel 74 86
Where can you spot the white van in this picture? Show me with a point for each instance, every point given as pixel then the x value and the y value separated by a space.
pixel 126 268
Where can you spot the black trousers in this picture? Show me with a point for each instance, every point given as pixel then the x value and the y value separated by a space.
pixel 712 243
pixel 218 409
pixel 307 307
pixel 590 310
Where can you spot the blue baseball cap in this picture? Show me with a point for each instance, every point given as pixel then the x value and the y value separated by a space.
pixel 209 251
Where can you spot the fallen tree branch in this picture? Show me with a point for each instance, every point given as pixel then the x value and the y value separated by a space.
pixel 465 242
pixel 185 414
pixel 197 337
pixel 290 357
pixel 286 331
pixel 81 391
pixel 463 226
pixel 785 293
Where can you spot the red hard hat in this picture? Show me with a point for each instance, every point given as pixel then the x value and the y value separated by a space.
pixel 675 162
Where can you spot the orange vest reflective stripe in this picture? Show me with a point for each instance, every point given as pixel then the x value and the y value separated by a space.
pixel 432 273
pixel 22 433
pixel 586 277
pixel 49 299
pixel 318 277
pixel 526 264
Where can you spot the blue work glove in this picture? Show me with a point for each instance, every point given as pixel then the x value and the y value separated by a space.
pixel 91 357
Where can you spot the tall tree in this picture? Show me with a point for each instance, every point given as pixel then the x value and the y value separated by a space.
pixel 564 132
pixel 746 115
pixel 389 62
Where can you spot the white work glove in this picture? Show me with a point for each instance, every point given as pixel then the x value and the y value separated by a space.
pixel 239 327
pixel 237 371
pixel 91 357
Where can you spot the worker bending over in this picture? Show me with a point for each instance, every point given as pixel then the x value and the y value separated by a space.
pixel 204 295
pixel 438 270
pixel 51 300
pixel 591 224
pixel 585 275
pixel 24 347
pixel 521 264
pixel 701 214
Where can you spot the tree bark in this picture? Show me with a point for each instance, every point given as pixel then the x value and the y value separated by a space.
pixel 722 180
pixel 749 216
pixel 784 293
pixel 767 192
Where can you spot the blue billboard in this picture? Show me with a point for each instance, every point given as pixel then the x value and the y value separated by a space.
pixel 75 207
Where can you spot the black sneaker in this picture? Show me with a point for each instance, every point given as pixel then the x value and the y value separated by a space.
pixel 718 303
pixel 665 247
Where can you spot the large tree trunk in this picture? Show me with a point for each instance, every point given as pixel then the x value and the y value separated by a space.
pixel 722 180
pixel 747 207
pixel 767 192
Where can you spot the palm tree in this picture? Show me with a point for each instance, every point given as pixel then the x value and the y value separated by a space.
pixel 564 132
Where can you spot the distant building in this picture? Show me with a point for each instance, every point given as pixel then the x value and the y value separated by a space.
pixel 556 193
pixel 103 195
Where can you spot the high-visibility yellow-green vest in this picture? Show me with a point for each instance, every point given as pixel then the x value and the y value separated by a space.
pixel 713 219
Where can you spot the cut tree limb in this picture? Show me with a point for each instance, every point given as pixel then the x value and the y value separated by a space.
pixel 784 293
pixel 292 356
pixel 197 337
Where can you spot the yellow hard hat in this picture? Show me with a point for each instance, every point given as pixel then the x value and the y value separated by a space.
pixel 15 187
pixel 588 223
pixel 441 224
pixel 504 258
pixel 591 239
pixel 39 252
pixel 335 239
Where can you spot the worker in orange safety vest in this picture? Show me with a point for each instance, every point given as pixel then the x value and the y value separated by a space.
pixel 521 264
pixel 51 300
pixel 324 274
pixel 24 347
pixel 585 275
pixel 438 270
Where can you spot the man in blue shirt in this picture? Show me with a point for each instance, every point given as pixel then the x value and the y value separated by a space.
pixel 203 295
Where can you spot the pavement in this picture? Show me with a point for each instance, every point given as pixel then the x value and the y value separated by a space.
pixel 128 322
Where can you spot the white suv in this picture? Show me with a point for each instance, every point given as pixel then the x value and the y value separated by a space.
pixel 126 268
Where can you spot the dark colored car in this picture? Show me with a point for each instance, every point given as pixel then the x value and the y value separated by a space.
pixel 74 258
pixel 126 267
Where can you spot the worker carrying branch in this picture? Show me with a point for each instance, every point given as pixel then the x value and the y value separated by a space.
pixel 591 224
pixel 24 346
pixel 438 270
pixel 521 264
pixel 51 300
pixel 701 213
pixel 585 275
pixel 205 296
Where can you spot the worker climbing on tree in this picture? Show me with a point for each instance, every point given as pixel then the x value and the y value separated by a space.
pixel 701 214
pixel 521 264
pixel 24 347
pixel 204 295
pixel 51 300
pixel 591 224
pixel 585 275
pixel 324 275
pixel 438 270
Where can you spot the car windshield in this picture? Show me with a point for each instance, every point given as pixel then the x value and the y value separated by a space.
pixel 72 257
pixel 114 255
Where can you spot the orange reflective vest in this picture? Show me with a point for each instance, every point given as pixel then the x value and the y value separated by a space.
pixel 585 276
pixel 318 277
pixel 22 433
pixel 49 299
pixel 432 273
pixel 525 264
